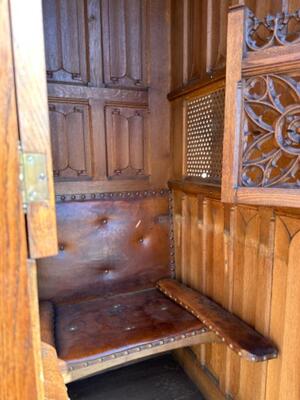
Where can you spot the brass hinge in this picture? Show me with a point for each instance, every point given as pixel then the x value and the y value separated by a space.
pixel 33 178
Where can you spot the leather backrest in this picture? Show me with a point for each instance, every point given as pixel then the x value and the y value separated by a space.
pixel 107 247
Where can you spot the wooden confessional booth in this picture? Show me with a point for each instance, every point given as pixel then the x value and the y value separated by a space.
pixel 175 142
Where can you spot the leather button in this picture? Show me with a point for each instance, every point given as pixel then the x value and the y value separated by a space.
pixel 104 221
pixel 61 247
pixel 141 240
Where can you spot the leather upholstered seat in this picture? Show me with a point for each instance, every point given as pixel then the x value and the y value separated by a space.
pixel 92 333
pixel 99 304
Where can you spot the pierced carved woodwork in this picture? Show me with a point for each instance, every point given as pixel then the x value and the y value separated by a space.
pixel 281 29
pixel 126 135
pixel 65 40
pixel 271 132
pixel 124 34
pixel 70 140
pixel 205 128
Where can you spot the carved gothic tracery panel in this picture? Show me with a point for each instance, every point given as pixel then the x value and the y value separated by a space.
pixel 126 134
pixel 65 40
pixel 123 42
pixel 271 132
pixel 70 140
pixel 282 29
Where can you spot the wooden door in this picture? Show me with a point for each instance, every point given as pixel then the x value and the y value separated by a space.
pixel 24 135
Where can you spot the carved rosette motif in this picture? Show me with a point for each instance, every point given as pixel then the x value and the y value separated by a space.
pixel 271 132
pixel 281 29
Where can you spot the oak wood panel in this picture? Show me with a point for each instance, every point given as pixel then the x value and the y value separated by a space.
pixel 263 58
pixel 124 42
pixel 65 40
pixel 119 45
pixel 198 41
pixel 19 366
pixel 31 94
pixel 258 244
pixel 244 277
pixel 283 381
pixel 70 140
pixel 198 374
pixel 233 103
pixel 127 142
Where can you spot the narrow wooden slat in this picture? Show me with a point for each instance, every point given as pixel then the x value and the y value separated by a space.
pixel 239 336
pixel 54 384
pixel 233 101
pixel 199 375
pixel 192 187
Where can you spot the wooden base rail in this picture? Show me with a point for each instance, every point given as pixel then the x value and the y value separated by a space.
pixel 55 388
pixel 239 336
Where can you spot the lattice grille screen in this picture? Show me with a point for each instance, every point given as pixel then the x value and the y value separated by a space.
pixel 205 126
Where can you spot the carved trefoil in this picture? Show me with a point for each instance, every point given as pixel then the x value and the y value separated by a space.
pixel 70 140
pixel 124 42
pixel 282 29
pixel 127 142
pixel 65 40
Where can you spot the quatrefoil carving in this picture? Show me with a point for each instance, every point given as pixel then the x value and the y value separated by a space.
pixel 271 132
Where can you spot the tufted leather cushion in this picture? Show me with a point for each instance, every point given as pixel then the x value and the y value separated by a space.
pixel 107 247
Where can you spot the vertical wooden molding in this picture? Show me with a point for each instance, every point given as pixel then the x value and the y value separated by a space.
pixel 19 372
pixel 31 92
pixel 185 40
pixel 233 99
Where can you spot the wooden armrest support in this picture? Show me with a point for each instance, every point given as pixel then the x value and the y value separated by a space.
pixel 239 336
pixel 55 388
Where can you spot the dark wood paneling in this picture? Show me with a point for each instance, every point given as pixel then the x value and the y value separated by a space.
pixel 120 61
pixel 124 32
pixel 65 39
pixel 127 142
pixel 70 139
pixel 198 40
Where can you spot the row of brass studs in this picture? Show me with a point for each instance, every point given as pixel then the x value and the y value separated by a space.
pixel 137 349
pixel 112 195
pixel 171 237
pixel 237 350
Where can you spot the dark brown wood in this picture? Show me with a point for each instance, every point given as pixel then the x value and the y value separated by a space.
pixel 239 336
pixel 110 61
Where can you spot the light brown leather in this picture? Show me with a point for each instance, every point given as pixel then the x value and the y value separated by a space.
pixel 107 247
pixel 99 327
pixel 55 388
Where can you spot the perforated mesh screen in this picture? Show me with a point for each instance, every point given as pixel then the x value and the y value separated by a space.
pixel 205 126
